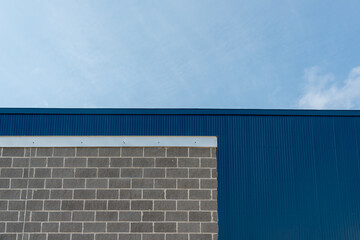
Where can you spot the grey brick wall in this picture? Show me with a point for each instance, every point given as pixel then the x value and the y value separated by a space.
pixel 108 194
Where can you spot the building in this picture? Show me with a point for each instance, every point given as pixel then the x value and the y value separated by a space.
pixel 281 174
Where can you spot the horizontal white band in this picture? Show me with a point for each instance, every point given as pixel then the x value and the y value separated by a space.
pixel 108 141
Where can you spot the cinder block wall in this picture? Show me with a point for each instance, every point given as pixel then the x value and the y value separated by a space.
pixel 108 193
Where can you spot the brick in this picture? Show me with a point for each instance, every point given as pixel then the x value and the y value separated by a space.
pixel 19 183
pixel 13 152
pixel 94 227
pixel 130 194
pixel 42 172
pixel 109 152
pixel 56 162
pixel 39 216
pixel 119 205
pixel 188 205
pixel 199 173
pixel 209 227
pixel 176 237
pixel 154 152
pixel 177 173
pixel 72 205
pixel 52 205
pixel 141 227
pixel 106 237
pixel 153 216
pixel 188 162
pixel 130 216
pixel 84 194
pixel 106 216
pixel 61 194
pixel 11 172
pixel 166 162
pixel 153 194
pixel 37 236
pixel 214 216
pixel 53 183
pixel 214 194
pixel 98 162
pixel 200 194
pixel 9 216
pixel 213 173
pixel 5 162
pixel 141 205
pixel 132 152
pixel 4 183
pixel 109 173
pixel 8 236
pixel 199 152
pixel 208 183
pixel 199 216
pixel 119 183
pixel 38 162
pixel 143 162
pixel 153 236
pixel 189 227
pixel 50 227
pixel 75 162
pixel 62 173
pixel 9 194
pixel 188 183
pixel 107 194
pixel 208 162
pixel 3 205
pixel 85 172
pixel 29 172
pixel 58 237
pixel 120 162
pixel 74 183
pixel 154 173
pixel 60 216
pixel 176 194
pixel 118 227
pixel 32 227
pixel 44 152
pixel 165 183
pixel 164 205
pixel 129 236
pixel 16 205
pixel 87 151
pixel 213 152
pixel 200 237
pixel 78 236
pixel 177 152
pixel 96 183
pixel 208 205
pixel 70 227
pixel 95 205
pixel 142 183
pixel 131 173
pixel 164 227
pixel 20 162
pixel 36 183
pixel 41 194
pixel 83 216
pixel 176 216
pixel 14 227
pixel 64 152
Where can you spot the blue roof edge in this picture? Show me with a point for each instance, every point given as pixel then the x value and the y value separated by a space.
pixel 178 111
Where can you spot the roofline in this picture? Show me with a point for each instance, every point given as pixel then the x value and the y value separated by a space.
pixel 177 111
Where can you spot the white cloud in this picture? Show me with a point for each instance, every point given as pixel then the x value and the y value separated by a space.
pixel 322 92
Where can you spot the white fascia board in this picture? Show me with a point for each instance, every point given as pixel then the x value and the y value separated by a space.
pixel 108 141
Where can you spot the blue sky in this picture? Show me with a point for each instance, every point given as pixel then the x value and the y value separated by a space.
pixel 180 54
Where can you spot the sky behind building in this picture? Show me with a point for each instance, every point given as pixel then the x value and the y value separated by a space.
pixel 193 54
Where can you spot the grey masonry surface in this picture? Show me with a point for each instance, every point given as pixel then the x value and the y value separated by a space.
pixel 132 193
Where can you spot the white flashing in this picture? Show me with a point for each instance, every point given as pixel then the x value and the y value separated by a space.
pixel 108 141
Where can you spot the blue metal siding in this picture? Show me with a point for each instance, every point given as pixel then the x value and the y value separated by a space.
pixel 281 176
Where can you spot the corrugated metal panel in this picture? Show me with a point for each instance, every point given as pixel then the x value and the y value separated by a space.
pixel 281 176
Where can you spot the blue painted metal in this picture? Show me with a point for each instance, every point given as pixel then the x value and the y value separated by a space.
pixel 282 174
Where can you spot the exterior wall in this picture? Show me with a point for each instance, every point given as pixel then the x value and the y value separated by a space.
pixel 108 193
